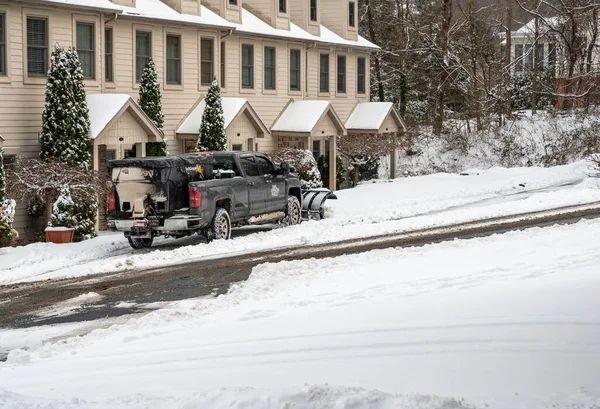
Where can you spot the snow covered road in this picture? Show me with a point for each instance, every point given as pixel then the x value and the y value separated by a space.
pixel 507 321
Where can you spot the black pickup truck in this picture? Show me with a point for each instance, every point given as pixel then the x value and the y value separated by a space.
pixel 206 193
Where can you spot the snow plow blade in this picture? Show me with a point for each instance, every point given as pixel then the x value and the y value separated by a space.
pixel 312 203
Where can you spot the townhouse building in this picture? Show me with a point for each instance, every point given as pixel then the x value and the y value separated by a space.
pixel 291 72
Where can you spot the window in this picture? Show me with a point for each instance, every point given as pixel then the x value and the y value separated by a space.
pixel 360 75
pixel 341 74
pixel 295 70
pixel 222 64
pixel 316 149
pixel 351 15
pixel 37 46
pixel 282 6
pixel 313 10
pixel 540 55
pixel 269 67
pixel 108 54
pixel 327 149
pixel 173 59
pixel 247 66
pixel 551 54
pixel 266 167
pixel 249 165
pixel 85 48
pixel 324 73
pixel 519 58
pixel 143 52
pixel 529 58
pixel 206 61
pixel 2 44
pixel 233 2
pixel 237 147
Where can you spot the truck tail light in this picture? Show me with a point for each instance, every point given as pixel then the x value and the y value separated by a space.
pixel 111 200
pixel 195 199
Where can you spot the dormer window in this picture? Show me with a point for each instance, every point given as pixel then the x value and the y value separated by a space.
pixel 233 2
pixel 313 10
pixel 283 6
pixel 351 14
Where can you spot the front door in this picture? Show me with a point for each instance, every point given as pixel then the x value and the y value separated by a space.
pixel 257 188
pixel 275 184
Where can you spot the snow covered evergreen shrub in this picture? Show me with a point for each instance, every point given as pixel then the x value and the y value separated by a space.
pixel 151 103
pixel 65 120
pixel 304 163
pixel 212 129
pixel 63 209
pixel 323 166
pixel 7 208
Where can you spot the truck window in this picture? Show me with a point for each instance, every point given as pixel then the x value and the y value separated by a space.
pixel 225 163
pixel 266 167
pixel 249 165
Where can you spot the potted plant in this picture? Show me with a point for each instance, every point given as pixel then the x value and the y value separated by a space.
pixel 62 225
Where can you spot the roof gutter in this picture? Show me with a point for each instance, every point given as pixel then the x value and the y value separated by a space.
pixel 113 18
pixel 227 34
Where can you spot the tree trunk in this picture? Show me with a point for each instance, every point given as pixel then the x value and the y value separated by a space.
pixel 534 82
pixel 380 91
pixel 441 95
pixel 507 58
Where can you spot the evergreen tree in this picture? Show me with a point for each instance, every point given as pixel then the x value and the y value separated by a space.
pixel 150 100
pixel 63 209
pixel 6 208
pixel 65 121
pixel 212 130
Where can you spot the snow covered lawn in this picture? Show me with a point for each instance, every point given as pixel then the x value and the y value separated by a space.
pixel 370 209
pixel 507 321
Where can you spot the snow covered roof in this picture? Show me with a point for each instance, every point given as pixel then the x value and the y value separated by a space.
pixel 96 4
pixel 528 30
pixel 370 116
pixel 105 107
pixel 156 9
pixel 231 109
pixel 253 25
pixel 303 116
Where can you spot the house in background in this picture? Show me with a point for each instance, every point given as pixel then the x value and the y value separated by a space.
pixel 268 56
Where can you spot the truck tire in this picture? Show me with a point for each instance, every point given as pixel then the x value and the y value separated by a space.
pixel 220 227
pixel 139 244
pixel 293 212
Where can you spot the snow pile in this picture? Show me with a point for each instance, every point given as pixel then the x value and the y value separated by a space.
pixel 505 321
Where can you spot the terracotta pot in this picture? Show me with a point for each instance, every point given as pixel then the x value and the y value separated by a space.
pixel 59 235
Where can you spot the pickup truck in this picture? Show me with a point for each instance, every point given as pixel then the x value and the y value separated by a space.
pixel 200 193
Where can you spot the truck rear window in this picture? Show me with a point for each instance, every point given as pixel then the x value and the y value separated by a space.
pixel 223 163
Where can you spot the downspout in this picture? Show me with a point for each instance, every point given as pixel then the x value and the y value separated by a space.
pixel 306 67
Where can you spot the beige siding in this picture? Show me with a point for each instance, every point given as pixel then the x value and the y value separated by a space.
pixel 325 127
pixel 242 126
pixel 264 9
pixel 389 125
pixel 129 3
pixel 125 127
pixel 190 7
pixel 334 16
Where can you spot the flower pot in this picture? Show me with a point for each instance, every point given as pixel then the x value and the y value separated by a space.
pixel 59 234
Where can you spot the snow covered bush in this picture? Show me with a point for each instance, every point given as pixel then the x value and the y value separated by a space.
pixel 340 171
pixel 65 120
pixel 212 129
pixel 7 209
pixel 304 163
pixel 63 209
pixel 151 103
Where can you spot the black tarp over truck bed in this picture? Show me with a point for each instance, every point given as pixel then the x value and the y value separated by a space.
pixel 161 182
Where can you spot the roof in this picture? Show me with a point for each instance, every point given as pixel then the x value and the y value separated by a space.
pixel 232 107
pixel 370 116
pixel 104 108
pixel 528 30
pixel 156 9
pixel 251 24
pixel 303 116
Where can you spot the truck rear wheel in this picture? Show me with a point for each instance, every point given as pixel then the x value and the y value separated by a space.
pixel 220 227
pixel 138 243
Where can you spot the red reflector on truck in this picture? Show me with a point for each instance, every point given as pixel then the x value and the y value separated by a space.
pixel 111 201
pixel 195 199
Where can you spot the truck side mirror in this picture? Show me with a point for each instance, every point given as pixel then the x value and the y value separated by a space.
pixel 285 169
